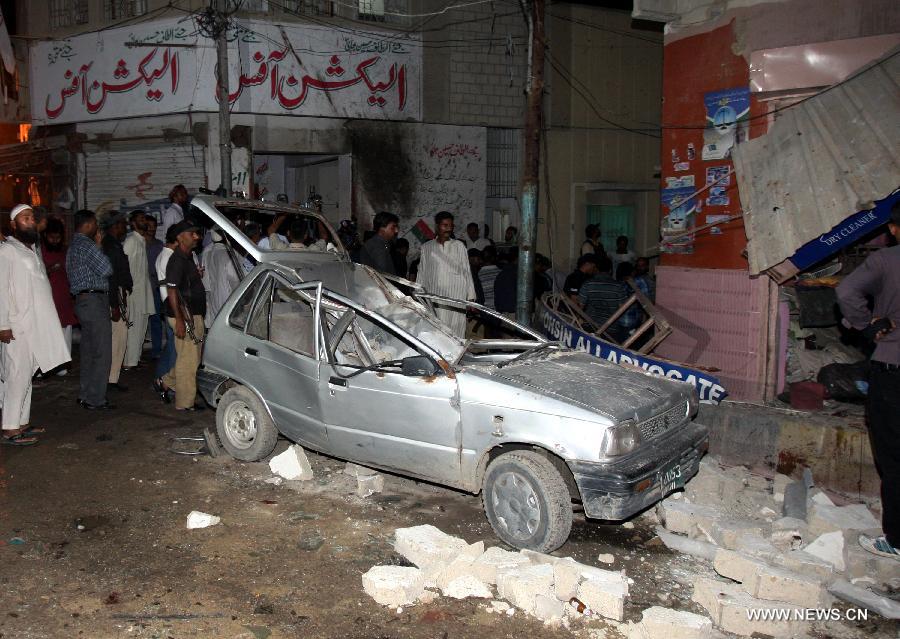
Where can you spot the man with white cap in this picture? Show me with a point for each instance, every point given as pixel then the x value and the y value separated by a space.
pixel 140 302
pixel 31 337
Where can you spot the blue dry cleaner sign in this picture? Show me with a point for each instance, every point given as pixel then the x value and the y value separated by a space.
pixel 848 232
pixel 555 327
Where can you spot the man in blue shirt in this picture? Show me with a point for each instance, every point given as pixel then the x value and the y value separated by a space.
pixel 89 270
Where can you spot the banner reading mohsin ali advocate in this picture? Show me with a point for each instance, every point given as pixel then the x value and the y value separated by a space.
pixel 709 389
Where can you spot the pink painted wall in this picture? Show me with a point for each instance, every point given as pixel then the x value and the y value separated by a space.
pixel 729 336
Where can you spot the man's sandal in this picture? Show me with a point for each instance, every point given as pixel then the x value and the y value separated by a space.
pixel 18 440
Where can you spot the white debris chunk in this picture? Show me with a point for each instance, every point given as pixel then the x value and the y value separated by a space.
pixel 822 499
pixel 756 546
pixel 726 532
pixel 824 518
pixel 604 593
pixel 729 607
pixel 460 567
pixel 467 586
pixel 830 547
pixel 521 585
pixel 428 547
pixel 493 560
pixel 658 623
pixel 292 464
pixel 606 558
pixel 357 471
pixel 367 485
pixel 275 481
pixel 777 584
pixel 779 483
pixel 693 547
pixel 197 519
pixel 736 566
pixel 806 564
pixel 885 607
pixel 394 585
pixel 500 607
pixel 686 519
pixel 548 608
pixel 788 533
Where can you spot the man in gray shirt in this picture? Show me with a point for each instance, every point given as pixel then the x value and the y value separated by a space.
pixel 878 278
pixel 376 252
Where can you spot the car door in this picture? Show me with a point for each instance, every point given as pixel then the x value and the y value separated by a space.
pixel 280 359
pixel 376 412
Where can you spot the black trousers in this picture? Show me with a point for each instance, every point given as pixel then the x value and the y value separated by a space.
pixel 884 433
pixel 92 310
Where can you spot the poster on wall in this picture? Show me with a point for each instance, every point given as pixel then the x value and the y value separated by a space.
pixel 682 210
pixel 725 112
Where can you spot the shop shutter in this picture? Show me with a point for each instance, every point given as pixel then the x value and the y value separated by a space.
pixel 126 177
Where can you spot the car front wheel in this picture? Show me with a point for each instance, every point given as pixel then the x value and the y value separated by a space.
pixel 244 426
pixel 527 502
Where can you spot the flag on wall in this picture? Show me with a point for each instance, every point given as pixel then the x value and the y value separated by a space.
pixel 422 231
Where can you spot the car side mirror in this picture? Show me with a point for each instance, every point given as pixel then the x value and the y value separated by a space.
pixel 418 366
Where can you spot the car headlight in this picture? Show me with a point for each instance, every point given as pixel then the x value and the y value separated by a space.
pixel 620 440
pixel 693 404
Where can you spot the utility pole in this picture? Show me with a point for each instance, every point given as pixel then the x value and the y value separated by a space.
pixel 224 104
pixel 532 164
pixel 213 23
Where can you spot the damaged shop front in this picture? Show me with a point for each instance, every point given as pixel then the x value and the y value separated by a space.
pixel 317 114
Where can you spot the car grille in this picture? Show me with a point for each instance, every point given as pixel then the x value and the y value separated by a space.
pixel 659 424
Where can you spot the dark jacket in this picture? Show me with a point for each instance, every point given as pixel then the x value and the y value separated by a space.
pixel 121 276
pixel 377 254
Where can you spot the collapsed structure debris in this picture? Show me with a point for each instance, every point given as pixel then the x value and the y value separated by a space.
pixel 800 561
pixel 292 464
pixel 197 519
pixel 538 584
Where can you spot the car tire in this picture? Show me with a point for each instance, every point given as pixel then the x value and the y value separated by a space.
pixel 527 502
pixel 244 426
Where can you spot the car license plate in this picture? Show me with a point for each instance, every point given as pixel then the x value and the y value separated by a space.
pixel 670 479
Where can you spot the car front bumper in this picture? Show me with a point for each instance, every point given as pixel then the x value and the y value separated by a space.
pixel 618 489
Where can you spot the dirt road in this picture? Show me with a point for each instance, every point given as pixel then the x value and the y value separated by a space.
pixel 93 540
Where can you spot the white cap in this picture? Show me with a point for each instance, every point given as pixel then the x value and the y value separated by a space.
pixel 18 209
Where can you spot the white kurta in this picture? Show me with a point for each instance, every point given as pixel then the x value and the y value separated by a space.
pixel 26 308
pixel 219 279
pixel 170 216
pixel 140 302
pixel 444 270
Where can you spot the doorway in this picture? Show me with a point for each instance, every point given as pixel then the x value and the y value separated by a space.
pixel 298 177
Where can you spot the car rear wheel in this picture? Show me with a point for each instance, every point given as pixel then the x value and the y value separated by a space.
pixel 527 502
pixel 244 426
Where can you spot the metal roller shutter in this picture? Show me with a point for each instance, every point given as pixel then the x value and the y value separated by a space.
pixel 129 176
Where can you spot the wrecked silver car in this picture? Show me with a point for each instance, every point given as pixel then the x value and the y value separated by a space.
pixel 339 359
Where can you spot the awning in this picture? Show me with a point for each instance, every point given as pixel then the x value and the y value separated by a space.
pixel 824 159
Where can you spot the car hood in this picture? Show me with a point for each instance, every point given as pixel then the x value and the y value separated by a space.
pixel 610 389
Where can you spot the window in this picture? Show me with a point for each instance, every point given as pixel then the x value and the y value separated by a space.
pixel 121 9
pixel 253 6
pixel 358 341
pixel 309 7
pixel 285 317
pixel 503 162
pixel 391 11
pixel 66 13
pixel 241 310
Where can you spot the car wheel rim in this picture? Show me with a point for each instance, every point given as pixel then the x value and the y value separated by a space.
pixel 516 505
pixel 240 424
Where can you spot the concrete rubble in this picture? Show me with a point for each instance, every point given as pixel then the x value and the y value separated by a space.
pixel 367 485
pixel 658 623
pixel 197 519
pixel 537 584
pixel 292 464
pixel 800 560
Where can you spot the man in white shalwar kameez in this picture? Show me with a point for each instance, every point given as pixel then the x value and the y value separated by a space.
pixel 444 270
pixel 140 302
pixel 31 337
pixel 219 276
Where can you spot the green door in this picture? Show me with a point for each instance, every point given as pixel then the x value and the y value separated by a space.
pixel 613 220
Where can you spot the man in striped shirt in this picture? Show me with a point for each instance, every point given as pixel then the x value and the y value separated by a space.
pixel 601 296
pixel 444 270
